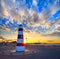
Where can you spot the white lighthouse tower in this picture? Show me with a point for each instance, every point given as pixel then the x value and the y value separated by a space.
pixel 20 41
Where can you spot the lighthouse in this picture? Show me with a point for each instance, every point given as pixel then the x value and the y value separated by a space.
pixel 20 47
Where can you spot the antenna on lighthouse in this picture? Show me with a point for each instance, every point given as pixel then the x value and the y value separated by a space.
pixel 20 41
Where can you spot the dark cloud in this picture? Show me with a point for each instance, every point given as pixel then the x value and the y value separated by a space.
pixel 53 34
pixel 1 37
pixel 1 10
pixel 35 18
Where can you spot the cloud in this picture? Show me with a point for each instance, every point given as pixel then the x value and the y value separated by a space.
pixel 6 28
pixel 54 34
pixel 30 17
pixel 1 37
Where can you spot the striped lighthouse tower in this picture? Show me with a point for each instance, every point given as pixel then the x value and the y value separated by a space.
pixel 20 42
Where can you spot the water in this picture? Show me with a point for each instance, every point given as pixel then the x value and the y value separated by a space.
pixel 32 51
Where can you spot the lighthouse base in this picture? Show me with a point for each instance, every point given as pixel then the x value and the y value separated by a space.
pixel 20 48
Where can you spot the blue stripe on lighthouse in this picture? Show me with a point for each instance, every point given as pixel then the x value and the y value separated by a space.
pixel 20 48
pixel 19 40
pixel 20 32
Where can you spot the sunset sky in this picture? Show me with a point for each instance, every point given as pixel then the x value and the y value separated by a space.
pixel 40 20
